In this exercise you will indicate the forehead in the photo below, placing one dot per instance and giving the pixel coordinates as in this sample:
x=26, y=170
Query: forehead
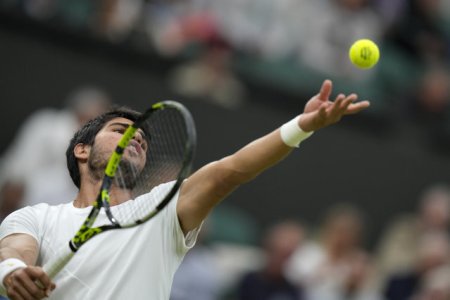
x=118, y=121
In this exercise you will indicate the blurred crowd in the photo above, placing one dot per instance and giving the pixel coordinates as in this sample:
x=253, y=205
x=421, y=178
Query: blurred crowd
x=287, y=45
x=33, y=168
x=328, y=261
x=290, y=45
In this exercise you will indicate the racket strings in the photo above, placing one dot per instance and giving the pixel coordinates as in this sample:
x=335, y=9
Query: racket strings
x=166, y=137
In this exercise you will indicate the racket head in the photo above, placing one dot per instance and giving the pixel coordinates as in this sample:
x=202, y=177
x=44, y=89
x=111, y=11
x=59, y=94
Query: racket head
x=169, y=134
x=169, y=137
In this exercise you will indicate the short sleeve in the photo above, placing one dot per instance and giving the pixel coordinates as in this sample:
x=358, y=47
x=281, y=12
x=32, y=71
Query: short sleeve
x=21, y=221
x=181, y=241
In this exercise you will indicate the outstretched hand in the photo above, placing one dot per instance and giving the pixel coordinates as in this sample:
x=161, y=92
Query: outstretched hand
x=320, y=112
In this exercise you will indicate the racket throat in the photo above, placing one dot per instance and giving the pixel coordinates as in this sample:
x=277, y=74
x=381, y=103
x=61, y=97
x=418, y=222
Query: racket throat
x=85, y=234
x=113, y=220
x=73, y=247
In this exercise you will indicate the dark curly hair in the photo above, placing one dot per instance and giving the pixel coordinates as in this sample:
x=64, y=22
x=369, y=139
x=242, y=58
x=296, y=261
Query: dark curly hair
x=86, y=135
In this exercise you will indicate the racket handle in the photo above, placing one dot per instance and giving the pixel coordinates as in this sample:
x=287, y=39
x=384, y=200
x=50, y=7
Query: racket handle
x=55, y=264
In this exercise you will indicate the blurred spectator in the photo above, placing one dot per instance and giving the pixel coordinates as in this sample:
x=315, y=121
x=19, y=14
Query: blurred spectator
x=390, y=10
x=429, y=107
x=222, y=254
x=419, y=33
x=338, y=267
x=199, y=276
x=445, y=13
x=271, y=30
x=422, y=281
x=210, y=76
x=436, y=285
x=433, y=96
x=332, y=27
x=270, y=283
x=178, y=25
x=33, y=168
x=40, y=9
x=399, y=245
x=11, y=197
x=116, y=19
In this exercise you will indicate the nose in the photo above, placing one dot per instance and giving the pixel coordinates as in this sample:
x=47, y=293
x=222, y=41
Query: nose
x=138, y=137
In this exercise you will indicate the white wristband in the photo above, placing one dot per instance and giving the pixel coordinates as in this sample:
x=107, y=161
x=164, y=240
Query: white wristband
x=291, y=133
x=6, y=267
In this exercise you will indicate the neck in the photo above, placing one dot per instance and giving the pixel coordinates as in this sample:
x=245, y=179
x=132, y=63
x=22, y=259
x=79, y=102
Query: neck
x=88, y=194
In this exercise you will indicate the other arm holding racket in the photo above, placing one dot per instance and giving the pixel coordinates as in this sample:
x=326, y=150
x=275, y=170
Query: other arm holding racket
x=197, y=195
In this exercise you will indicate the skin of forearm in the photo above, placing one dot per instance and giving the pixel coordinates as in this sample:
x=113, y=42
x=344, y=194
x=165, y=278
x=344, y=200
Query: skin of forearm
x=243, y=166
x=6, y=253
x=212, y=183
x=9, y=248
x=256, y=157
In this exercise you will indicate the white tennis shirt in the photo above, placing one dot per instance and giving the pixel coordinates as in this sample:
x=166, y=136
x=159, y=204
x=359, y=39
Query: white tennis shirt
x=135, y=263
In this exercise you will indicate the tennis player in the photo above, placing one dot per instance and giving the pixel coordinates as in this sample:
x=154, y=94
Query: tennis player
x=139, y=262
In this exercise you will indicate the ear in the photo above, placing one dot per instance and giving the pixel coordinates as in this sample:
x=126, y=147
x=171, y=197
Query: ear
x=82, y=151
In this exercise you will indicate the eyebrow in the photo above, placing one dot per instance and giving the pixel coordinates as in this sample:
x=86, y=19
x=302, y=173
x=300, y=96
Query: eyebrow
x=125, y=125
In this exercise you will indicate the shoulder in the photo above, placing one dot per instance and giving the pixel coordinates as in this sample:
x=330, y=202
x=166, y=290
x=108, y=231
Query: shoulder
x=32, y=220
x=36, y=211
x=38, y=208
x=159, y=192
x=28, y=210
x=164, y=186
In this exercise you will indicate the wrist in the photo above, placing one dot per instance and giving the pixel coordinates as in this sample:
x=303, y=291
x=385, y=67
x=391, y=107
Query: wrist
x=292, y=134
x=7, y=266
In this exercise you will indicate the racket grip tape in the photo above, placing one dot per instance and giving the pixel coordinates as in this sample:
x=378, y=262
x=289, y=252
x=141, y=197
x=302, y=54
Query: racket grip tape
x=55, y=264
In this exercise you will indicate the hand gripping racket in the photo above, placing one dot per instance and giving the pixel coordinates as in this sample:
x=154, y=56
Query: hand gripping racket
x=171, y=137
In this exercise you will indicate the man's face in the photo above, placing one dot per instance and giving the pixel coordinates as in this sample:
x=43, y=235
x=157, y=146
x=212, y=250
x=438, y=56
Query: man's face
x=134, y=156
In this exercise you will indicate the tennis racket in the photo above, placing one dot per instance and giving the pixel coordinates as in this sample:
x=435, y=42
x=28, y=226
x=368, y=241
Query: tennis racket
x=171, y=139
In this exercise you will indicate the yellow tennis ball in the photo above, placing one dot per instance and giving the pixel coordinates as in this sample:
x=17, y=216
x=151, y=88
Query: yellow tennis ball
x=364, y=53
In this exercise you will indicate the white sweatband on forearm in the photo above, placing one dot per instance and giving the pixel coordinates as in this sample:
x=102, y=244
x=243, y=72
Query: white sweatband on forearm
x=6, y=267
x=291, y=133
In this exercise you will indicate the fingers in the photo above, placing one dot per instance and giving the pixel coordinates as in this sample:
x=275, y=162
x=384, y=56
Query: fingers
x=338, y=105
x=322, y=112
x=325, y=90
x=337, y=108
x=20, y=293
x=349, y=100
x=345, y=105
x=42, y=279
x=357, y=107
x=23, y=284
x=30, y=289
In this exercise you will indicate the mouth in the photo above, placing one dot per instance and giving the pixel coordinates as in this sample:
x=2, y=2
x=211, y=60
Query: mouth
x=135, y=147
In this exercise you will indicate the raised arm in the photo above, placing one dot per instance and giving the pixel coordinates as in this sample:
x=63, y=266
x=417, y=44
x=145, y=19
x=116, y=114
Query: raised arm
x=213, y=182
x=18, y=254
